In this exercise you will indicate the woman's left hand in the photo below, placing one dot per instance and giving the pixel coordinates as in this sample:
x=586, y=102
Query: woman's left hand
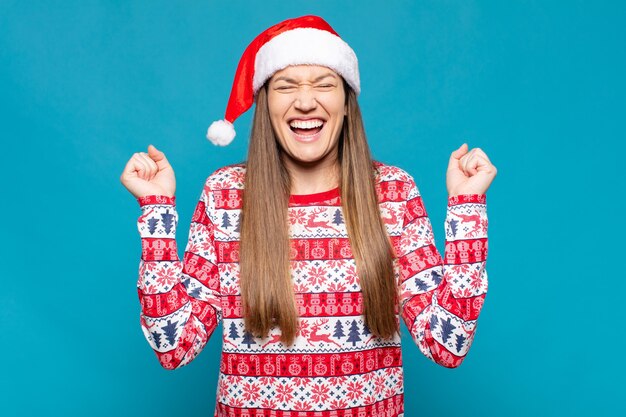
x=469, y=172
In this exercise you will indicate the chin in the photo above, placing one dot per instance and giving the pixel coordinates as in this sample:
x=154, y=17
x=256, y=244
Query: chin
x=306, y=158
x=309, y=156
x=307, y=153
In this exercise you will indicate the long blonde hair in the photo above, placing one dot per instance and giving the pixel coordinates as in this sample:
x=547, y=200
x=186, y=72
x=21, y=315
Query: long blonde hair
x=266, y=287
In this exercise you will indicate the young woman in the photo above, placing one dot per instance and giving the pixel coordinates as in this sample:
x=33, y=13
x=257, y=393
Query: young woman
x=309, y=252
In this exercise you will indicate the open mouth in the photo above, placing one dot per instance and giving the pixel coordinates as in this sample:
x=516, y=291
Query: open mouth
x=306, y=127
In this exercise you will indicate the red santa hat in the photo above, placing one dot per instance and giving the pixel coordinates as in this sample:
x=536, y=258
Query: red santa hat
x=303, y=40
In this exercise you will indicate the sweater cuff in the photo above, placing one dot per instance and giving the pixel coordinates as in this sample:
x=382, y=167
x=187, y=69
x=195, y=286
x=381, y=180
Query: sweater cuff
x=467, y=198
x=156, y=200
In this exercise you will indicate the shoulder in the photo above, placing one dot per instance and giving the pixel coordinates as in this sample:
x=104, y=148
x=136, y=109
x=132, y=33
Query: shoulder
x=226, y=178
x=393, y=184
x=386, y=173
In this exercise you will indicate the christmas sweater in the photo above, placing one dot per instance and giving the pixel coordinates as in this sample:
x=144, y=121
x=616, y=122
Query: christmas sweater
x=336, y=366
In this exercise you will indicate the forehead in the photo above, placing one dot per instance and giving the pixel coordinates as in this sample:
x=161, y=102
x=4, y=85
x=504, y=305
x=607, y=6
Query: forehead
x=304, y=72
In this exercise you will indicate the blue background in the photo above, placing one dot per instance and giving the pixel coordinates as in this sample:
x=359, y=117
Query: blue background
x=539, y=85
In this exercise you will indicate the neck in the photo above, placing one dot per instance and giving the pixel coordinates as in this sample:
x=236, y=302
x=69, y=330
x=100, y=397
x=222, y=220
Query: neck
x=315, y=177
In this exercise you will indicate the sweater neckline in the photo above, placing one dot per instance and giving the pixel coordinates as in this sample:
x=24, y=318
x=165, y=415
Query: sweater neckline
x=314, y=198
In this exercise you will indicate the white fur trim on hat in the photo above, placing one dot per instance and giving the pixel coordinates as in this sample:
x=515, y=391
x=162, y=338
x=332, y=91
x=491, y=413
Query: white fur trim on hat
x=221, y=132
x=306, y=46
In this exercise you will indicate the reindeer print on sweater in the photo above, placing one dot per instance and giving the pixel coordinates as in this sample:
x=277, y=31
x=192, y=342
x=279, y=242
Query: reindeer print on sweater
x=336, y=367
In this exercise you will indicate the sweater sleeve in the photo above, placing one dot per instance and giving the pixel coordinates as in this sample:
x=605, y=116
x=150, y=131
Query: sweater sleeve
x=442, y=298
x=180, y=300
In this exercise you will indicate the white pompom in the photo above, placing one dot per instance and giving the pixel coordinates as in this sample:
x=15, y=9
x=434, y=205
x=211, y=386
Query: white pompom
x=221, y=132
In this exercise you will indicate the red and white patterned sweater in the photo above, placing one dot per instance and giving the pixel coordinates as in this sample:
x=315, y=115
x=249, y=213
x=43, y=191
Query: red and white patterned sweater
x=336, y=367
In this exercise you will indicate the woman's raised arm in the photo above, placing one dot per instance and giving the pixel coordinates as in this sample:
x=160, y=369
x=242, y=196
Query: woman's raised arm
x=180, y=299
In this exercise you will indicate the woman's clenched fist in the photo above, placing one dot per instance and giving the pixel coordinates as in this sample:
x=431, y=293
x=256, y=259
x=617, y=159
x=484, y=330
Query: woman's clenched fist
x=469, y=172
x=149, y=174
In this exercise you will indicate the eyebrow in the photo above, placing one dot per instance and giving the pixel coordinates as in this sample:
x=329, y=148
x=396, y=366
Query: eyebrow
x=291, y=80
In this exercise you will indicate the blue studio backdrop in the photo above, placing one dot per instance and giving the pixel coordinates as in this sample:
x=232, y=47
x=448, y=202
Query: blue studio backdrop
x=538, y=85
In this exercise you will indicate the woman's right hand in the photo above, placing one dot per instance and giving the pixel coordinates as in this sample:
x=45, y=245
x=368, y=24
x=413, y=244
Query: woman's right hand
x=149, y=174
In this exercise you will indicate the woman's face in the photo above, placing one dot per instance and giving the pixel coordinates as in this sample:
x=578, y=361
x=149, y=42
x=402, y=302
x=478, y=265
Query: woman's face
x=307, y=107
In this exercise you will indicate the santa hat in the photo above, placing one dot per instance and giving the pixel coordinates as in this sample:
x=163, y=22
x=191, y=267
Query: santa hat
x=303, y=40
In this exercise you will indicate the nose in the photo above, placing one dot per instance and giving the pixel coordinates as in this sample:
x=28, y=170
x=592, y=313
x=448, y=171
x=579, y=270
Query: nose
x=305, y=100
